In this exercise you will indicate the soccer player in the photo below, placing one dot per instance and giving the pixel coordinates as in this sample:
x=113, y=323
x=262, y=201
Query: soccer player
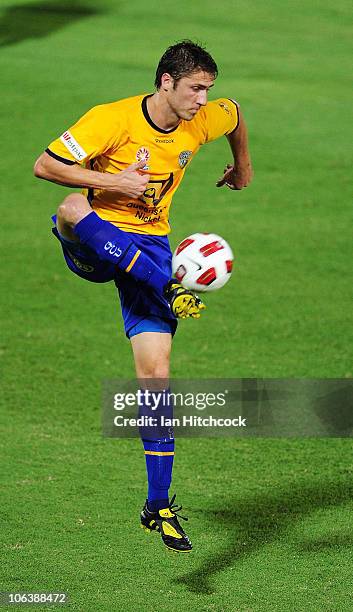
x=129, y=158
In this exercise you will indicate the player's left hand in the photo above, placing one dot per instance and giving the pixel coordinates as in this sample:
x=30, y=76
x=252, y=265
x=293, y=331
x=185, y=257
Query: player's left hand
x=236, y=178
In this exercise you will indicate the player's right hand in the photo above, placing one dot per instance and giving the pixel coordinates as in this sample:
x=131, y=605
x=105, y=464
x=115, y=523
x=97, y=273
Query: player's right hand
x=131, y=182
x=183, y=302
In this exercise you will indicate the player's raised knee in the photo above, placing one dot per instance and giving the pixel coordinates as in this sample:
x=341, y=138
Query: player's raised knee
x=74, y=208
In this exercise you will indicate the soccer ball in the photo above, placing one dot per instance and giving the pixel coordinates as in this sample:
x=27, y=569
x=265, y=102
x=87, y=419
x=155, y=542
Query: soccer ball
x=203, y=262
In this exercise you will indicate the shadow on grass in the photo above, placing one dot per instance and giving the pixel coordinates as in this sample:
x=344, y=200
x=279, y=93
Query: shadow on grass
x=337, y=540
x=23, y=21
x=255, y=522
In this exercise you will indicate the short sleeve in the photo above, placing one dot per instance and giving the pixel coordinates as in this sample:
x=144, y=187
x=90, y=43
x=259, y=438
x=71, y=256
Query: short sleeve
x=222, y=117
x=94, y=134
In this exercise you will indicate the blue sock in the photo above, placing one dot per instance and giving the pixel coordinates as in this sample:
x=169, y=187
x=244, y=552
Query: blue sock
x=112, y=244
x=159, y=464
x=158, y=442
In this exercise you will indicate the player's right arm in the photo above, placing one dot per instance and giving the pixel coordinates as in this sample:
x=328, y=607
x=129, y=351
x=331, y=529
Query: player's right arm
x=67, y=159
x=130, y=182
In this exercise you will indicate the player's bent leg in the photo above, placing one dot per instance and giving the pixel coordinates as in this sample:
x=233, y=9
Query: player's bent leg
x=118, y=247
x=152, y=354
x=77, y=222
x=71, y=211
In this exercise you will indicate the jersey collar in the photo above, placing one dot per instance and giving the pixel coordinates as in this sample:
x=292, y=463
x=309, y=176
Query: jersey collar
x=149, y=120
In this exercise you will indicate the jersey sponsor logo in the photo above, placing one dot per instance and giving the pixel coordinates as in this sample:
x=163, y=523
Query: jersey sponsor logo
x=143, y=154
x=146, y=213
x=164, y=140
x=72, y=146
x=184, y=157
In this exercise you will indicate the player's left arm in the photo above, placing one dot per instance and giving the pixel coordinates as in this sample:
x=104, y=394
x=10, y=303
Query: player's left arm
x=238, y=174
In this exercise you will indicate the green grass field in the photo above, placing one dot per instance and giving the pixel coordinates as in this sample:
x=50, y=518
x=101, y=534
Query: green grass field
x=270, y=519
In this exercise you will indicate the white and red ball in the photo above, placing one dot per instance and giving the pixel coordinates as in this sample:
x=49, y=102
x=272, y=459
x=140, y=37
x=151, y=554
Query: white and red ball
x=203, y=262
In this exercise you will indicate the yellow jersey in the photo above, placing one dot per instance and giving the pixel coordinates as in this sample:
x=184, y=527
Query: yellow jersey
x=110, y=137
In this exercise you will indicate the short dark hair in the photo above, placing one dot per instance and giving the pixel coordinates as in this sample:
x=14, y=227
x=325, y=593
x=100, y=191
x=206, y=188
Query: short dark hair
x=183, y=59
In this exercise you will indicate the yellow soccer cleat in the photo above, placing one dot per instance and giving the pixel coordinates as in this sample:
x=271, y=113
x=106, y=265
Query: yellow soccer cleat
x=183, y=302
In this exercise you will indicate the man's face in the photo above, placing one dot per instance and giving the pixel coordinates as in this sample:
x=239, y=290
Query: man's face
x=186, y=96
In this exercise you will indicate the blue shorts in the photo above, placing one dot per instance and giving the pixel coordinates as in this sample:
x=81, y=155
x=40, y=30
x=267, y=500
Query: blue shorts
x=142, y=309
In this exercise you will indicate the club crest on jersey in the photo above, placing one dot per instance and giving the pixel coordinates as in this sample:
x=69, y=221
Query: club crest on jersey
x=184, y=158
x=143, y=154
